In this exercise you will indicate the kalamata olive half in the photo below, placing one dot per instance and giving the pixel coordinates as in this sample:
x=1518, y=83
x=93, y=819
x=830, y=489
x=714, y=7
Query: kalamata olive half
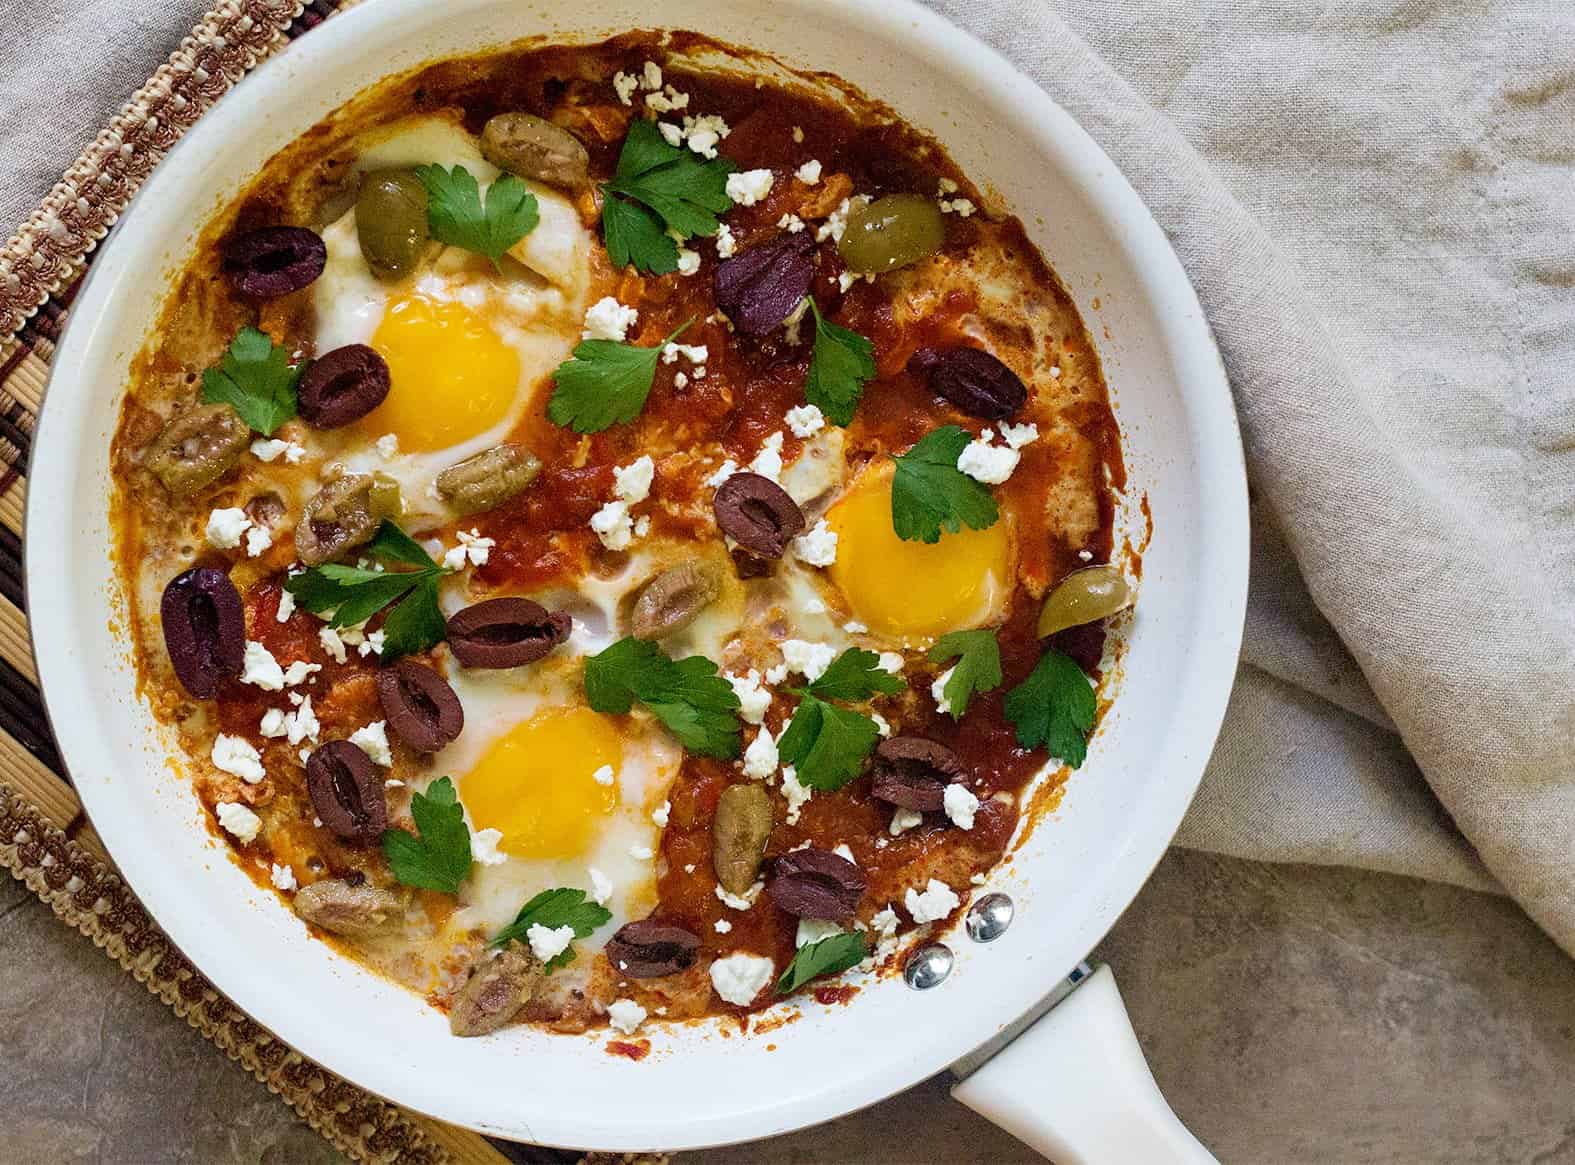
x=488, y=479
x=204, y=629
x=757, y=513
x=816, y=883
x=419, y=705
x=649, y=949
x=347, y=791
x=391, y=222
x=759, y=289
x=274, y=261
x=531, y=147
x=972, y=380
x=892, y=232
x=345, y=514
x=674, y=598
x=496, y=990
x=198, y=447
x=342, y=385
x=505, y=632
x=739, y=834
x=912, y=772
x=1084, y=645
x=1095, y=592
x=353, y=911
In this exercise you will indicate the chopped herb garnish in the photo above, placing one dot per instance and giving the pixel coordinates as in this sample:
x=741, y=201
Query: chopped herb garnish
x=842, y=362
x=355, y=594
x=978, y=668
x=552, y=909
x=457, y=216
x=929, y=493
x=827, y=745
x=674, y=192
x=856, y=674
x=1054, y=708
x=687, y=695
x=256, y=378
x=826, y=957
x=439, y=858
x=605, y=383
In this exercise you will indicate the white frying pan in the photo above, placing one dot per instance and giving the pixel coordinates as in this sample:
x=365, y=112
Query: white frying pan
x=1075, y=1084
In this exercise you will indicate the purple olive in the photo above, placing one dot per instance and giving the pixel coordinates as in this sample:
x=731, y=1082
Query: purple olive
x=816, y=883
x=649, y=949
x=912, y=772
x=274, y=261
x=204, y=629
x=973, y=380
x=506, y=632
x=419, y=705
x=757, y=513
x=760, y=288
x=347, y=791
x=342, y=385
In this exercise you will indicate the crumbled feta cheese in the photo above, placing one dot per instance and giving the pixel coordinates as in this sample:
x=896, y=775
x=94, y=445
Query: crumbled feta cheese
x=332, y=643
x=753, y=700
x=694, y=353
x=798, y=135
x=854, y=627
x=651, y=75
x=472, y=548
x=985, y=462
x=302, y=724
x=286, y=607
x=260, y=668
x=282, y=877
x=797, y=795
x=739, y=978
x=808, y=659
x=688, y=261
x=669, y=100
x=740, y=901
x=1055, y=372
x=960, y=805
x=372, y=739
x=846, y=279
x=269, y=450
x=373, y=643
x=271, y=725
x=814, y=606
x=613, y=525
x=843, y=851
x=661, y=814
x=760, y=758
x=946, y=186
x=235, y=755
x=818, y=545
x=804, y=421
x=388, y=445
x=547, y=943
x=603, y=775
x=723, y=472
x=933, y=904
x=749, y=186
x=721, y=926
x=226, y=527
x=813, y=930
x=703, y=142
x=240, y=821
x=768, y=462
x=882, y=725
x=903, y=820
x=961, y=207
x=1085, y=555
x=625, y=1015
x=809, y=172
x=775, y=675
x=673, y=135
x=938, y=690
x=726, y=244
x=680, y=380
x=791, y=223
x=632, y=482
x=890, y=661
x=625, y=85
x=837, y=221
x=601, y=886
x=607, y=319
x=484, y=847
x=1016, y=436
x=884, y=922
x=258, y=539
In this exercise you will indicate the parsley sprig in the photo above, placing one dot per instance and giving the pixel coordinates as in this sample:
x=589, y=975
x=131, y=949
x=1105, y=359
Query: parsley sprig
x=604, y=383
x=354, y=594
x=826, y=957
x=255, y=377
x=929, y=493
x=457, y=216
x=552, y=909
x=439, y=857
x=978, y=668
x=827, y=745
x=687, y=695
x=840, y=365
x=1054, y=708
x=664, y=191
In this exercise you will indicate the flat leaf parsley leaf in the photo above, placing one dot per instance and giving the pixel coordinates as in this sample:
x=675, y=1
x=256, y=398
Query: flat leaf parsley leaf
x=827, y=957
x=827, y=745
x=355, y=594
x=457, y=216
x=673, y=190
x=254, y=377
x=978, y=668
x=688, y=696
x=605, y=383
x=1054, y=708
x=438, y=859
x=842, y=362
x=552, y=909
x=929, y=493
x=856, y=674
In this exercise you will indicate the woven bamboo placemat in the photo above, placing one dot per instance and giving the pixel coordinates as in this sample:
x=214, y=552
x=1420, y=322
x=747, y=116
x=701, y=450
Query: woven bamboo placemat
x=46, y=841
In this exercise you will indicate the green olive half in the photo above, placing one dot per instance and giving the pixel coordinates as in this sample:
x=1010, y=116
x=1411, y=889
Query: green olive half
x=391, y=220
x=1083, y=596
x=892, y=232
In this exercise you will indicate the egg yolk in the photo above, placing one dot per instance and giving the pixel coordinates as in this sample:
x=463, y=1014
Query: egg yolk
x=914, y=590
x=536, y=784
x=451, y=377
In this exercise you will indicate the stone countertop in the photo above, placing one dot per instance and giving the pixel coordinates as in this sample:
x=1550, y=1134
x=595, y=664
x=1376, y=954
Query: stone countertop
x=1290, y=1013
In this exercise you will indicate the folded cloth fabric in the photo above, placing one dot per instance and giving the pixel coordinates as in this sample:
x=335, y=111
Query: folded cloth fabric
x=1374, y=203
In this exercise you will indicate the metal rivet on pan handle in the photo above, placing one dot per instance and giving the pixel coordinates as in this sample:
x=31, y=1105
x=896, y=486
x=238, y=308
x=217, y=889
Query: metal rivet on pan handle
x=928, y=966
x=989, y=917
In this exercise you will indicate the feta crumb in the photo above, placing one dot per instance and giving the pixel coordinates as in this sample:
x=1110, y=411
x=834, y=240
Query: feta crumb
x=961, y=207
x=726, y=244
x=235, y=755
x=753, y=700
x=388, y=445
x=813, y=930
x=601, y=886
x=723, y=472
x=903, y=820
x=688, y=261
x=672, y=134
x=809, y=172
x=626, y=1016
x=240, y=821
x=814, y=606
x=721, y=926
x=882, y=725
x=818, y=545
x=884, y=922
x=680, y=380
x=846, y=280
x=977, y=880
x=804, y=421
x=938, y=690
x=775, y=675
x=258, y=539
x=797, y=795
x=837, y=221
x=985, y=462
x=890, y=661
x=1055, y=372
x=603, y=775
x=484, y=847
x=1016, y=436
x=625, y=85
x=632, y=482
x=760, y=758
x=661, y=814
x=613, y=525
x=933, y=904
x=260, y=668
x=669, y=100
x=854, y=627
x=768, y=462
x=749, y=186
x=271, y=725
x=607, y=319
x=842, y=850
x=1085, y=555
x=225, y=527
x=791, y=223
x=740, y=901
x=332, y=643
x=372, y=739
x=808, y=659
x=703, y=142
x=694, y=353
x=960, y=805
x=651, y=75
x=302, y=724
x=798, y=135
x=269, y=450
x=373, y=643
x=739, y=978
x=945, y=187
x=286, y=607
x=472, y=548
x=547, y=943
x=282, y=877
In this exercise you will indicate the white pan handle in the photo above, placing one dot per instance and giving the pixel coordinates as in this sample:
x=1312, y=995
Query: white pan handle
x=1075, y=1087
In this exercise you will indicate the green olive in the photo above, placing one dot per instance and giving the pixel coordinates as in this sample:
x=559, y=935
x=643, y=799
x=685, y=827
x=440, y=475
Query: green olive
x=345, y=514
x=391, y=220
x=675, y=597
x=1084, y=596
x=198, y=447
x=892, y=232
x=739, y=835
x=497, y=989
x=488, y=479
x=524, y=144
